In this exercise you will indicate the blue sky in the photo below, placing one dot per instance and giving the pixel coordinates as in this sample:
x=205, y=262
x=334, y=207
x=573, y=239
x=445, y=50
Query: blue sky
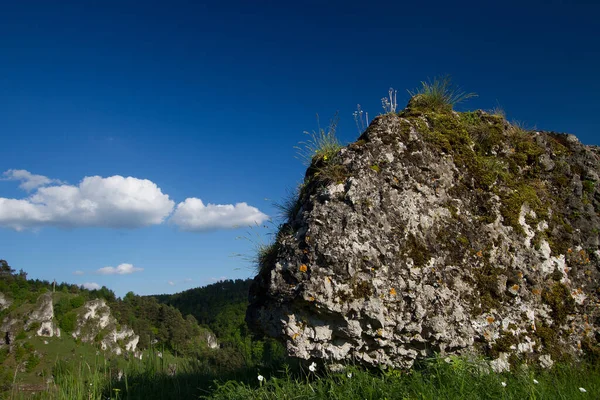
x=120, y=122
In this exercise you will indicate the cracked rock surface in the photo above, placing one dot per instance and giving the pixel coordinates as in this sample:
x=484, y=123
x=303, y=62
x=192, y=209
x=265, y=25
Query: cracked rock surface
x=441, y=233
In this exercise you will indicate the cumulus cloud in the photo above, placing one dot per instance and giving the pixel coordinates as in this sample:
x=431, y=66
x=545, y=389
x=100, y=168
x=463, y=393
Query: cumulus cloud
x=28, y=180
x=91, y=286
x=113, y=202
x=193, y=215
x=171, y=283
x=78, y=272
x=121, y=269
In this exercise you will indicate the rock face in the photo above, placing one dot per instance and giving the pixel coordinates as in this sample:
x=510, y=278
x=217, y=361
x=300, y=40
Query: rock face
x=43, y=315
x=4, y=302
x=210, y=339
x=439, y=232
x=38, y=319
x=95, y=324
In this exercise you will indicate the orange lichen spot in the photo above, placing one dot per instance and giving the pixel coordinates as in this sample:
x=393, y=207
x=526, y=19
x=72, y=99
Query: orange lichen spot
x=311, y=298
x=587, y=260
x=307, y=239
x=537, y=292
x=520, y=275
x=379, y=332
x=295, y=336
x=303, y=268
x=393, y=292
x=490, y=319
x=480, y=253
x=327, y=279
x=569, y=250
x=305, y=251
x=515, y=287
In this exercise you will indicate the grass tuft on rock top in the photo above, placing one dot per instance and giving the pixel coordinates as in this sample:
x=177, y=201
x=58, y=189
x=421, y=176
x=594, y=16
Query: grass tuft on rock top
x=438, y=94
x=322, y=144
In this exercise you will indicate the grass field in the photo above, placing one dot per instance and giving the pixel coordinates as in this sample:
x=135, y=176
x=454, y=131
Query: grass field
x=168, y=377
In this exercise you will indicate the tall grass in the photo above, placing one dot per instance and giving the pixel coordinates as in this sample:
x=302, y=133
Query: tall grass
x=439, y=94
x=437, y=378
x=451, y=378
x=322, y=144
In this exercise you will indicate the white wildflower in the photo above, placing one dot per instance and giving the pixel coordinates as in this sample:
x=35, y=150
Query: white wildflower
x=312, y=367
x=261, y=378
x=503, y=384
x=582, y=390
x=349, y=375
x=535, y=381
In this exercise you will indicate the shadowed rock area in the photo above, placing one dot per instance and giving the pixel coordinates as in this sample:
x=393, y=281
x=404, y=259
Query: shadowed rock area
x=439, y=232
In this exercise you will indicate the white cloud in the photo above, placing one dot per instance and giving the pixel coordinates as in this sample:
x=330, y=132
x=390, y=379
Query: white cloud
x=171, y=283
x=28, y=180
x=187, y=280
x=78, y=272
x=91, y=286
x=193, y=215
x=113, y=202
x=122, y=269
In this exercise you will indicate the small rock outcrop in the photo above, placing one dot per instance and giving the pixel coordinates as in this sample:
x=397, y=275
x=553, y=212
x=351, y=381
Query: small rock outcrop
x=96, y=324
x=210, y=339
x=4, y=302
x=439, y=232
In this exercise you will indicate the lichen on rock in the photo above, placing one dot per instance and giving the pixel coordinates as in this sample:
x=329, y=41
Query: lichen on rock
x=439, y=232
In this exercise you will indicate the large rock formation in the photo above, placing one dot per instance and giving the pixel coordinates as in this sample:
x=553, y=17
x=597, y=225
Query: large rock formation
x=42, y=316
x=96, y=324
x=439, y=232
x=37, y=318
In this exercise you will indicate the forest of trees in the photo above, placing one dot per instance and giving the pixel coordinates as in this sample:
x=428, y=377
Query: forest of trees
x=221, y=307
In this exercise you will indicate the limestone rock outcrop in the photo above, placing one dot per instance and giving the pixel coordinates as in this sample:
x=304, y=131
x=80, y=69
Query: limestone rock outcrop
x=43, y=316
x=4, y=302
x=439, y=232
x=96, y=324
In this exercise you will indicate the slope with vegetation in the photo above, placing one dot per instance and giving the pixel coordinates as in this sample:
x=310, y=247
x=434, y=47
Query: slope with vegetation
x=41, y=323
